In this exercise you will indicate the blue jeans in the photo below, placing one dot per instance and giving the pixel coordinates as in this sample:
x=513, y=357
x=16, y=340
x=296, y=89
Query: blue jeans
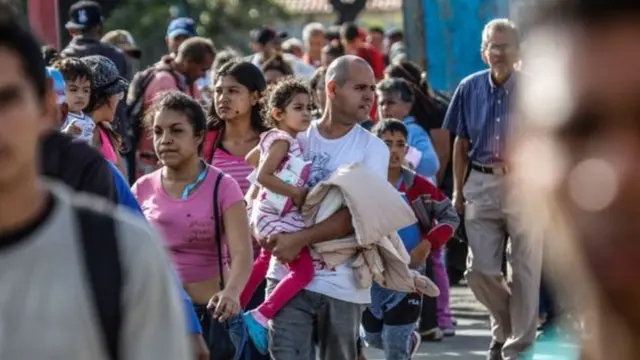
x=388, y=322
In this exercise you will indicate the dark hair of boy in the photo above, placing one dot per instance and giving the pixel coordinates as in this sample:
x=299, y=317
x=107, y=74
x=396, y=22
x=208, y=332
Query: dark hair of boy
x=16, y=38
x=73, y=69
x=390, y=126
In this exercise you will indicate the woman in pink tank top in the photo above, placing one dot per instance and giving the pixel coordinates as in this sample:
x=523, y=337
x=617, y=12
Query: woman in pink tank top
x=107, y=90
x=235, y=120
x=198, y=210
x=234, y=128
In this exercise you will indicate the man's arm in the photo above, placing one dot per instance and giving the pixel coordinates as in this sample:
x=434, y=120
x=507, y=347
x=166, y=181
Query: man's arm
x=153, y=319
x=460, y=165
x=340, y=224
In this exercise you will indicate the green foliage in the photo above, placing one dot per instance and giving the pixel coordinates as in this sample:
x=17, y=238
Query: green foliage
x=226, y=22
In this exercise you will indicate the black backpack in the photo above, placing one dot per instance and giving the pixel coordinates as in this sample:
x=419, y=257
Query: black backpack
x=135, y=97
x=104, y=271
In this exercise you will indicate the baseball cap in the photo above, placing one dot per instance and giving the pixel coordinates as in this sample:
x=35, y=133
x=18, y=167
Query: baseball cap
x=84, y=14
x=182, y=26
x=265, y=34
x=106, y=78
x=122, y=39
x=58, y=84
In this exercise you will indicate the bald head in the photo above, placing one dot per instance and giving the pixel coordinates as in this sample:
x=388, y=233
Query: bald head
x=338, y=71
x=350, y=87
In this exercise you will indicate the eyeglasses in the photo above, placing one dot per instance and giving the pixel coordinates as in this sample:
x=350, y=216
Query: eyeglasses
x=497, y=48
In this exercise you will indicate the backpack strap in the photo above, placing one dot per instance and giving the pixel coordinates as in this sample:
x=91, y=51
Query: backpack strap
x=218, y=227
x=102, y=261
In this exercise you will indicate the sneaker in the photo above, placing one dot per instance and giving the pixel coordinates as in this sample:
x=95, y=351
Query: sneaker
x=259, y=334
x=448, y=332
x=434, y=334
x=415, y=343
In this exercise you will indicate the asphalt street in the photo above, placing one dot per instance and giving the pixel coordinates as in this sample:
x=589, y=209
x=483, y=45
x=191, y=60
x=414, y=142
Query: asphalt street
x=472, y=333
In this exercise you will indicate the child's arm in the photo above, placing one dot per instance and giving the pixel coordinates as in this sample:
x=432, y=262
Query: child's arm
x=253, y=157
x=266, y=171
x=446, y=217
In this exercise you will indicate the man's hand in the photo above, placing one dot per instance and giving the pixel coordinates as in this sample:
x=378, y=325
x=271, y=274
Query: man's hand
x=199, y=347
x=420, y=253
x=285, y=247
x=458, y=202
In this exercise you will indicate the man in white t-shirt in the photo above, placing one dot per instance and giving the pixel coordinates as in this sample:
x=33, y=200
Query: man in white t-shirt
x=331, y=306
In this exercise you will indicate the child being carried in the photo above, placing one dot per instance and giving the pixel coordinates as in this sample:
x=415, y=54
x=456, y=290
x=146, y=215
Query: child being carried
x=282, y=174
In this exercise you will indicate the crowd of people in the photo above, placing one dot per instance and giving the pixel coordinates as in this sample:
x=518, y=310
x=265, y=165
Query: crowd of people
x=297, y=203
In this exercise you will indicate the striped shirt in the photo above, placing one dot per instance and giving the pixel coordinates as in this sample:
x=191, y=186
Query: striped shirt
x=266, y=217
x=234, y=166
x=480, y=112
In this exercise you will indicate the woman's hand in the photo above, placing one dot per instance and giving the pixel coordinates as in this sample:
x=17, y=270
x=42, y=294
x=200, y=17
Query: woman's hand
x=224, y=305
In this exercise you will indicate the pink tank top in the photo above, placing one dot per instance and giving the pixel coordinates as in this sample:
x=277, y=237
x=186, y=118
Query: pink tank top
x=106, y=147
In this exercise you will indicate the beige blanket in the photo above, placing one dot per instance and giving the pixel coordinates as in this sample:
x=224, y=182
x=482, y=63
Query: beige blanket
x=377, y=213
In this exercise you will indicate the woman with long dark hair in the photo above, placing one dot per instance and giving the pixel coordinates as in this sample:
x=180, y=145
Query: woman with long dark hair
x=234, y=126
x=235, y=121
x=428, y=110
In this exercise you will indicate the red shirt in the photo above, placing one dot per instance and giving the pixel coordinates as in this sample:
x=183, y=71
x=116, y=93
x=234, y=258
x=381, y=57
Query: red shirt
x=442, y=232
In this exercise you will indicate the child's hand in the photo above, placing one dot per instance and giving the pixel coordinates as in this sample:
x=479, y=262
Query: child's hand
x=420, y=253
x=300, y=197
x=72, y=129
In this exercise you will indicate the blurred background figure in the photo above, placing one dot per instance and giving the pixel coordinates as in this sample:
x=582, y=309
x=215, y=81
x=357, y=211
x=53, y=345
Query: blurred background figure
x=580, y=133
x=123, y=40
x=49, y=54
x=313, y=36
x=294, y=47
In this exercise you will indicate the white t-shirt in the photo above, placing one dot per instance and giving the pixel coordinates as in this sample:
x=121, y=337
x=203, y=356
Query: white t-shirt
x=358, y=145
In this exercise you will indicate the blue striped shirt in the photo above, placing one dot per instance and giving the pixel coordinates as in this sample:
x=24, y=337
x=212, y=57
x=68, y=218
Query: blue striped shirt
x=480, y=112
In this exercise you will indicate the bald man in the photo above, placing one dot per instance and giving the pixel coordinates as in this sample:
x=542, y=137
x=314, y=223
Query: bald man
x=331, y=306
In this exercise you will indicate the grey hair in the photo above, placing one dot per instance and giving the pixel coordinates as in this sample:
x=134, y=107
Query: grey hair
x=398, y=86
x=500, y=25
x=338, y=71
x=312, y=29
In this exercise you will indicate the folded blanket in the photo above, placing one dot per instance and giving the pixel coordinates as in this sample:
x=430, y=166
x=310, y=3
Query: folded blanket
x=377, y=211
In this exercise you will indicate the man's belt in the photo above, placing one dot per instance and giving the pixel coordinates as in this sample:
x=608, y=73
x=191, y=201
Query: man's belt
x=492, y=170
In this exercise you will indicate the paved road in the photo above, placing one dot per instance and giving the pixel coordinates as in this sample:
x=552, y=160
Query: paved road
x=472, y=334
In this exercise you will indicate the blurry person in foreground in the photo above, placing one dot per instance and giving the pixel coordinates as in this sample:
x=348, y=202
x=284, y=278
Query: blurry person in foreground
x=48, y=282
x=575, y=163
